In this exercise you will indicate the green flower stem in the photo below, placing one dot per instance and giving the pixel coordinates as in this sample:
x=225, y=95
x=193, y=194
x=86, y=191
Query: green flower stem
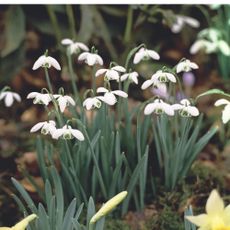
x=48, y=80
x=129, y=22
x=94, y=81
x=72, y=75
x=91, y=226
x=70, y=15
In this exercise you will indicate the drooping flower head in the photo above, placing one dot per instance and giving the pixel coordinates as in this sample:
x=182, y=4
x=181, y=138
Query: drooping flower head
x=47, y=127
x=40, y=98
x=186, y=109
x=145, y=54
x=64, y=101
x=111, y=74
x=159, y=107
x=74, y=47
x=186, y=66
x=133, y=76
x=217, y=216
x=67, y=133
x=226, y=111
x=9, y=97
x=91, y=103
x=46, y=62
x=90, y=58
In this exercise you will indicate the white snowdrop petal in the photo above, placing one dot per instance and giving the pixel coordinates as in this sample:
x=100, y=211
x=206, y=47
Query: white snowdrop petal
x=138, y=57
x=91, y=59
x=66, y=41
x=192, y=22
x=83, y=46
x=180, y=67
x=178, y=25
x=8, y=99
x=120, y=93
x=185, y=102
x=102, y=90
x=70, y=100
x=198, y=45
x=221, y=102
x=36, y=127
x=124, y=77
x=112, y=75
x=171, y=77
x=17, y=97
x=40, y=61
x=194, y=65
x=146, y=84
x=32, y=95
x=100, y=72
x=99, y=59
x=109, y=98
x=153, y=54
x=193, y=111
x=134, y=78
x=177, y=106
x=226, y=114
x=224, y=47
x=149, y=108
x=57, y=133
x=53, y=62
x=83, y=56
x=167, y=109
x=119, y=68
x=78, y=134
x=62, y=102
x=2, y=95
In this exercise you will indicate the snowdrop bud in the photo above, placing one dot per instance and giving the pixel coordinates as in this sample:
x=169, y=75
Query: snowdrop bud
x=109, y=206
x=188, y=79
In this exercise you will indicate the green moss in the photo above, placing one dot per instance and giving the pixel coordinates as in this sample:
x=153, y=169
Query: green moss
x=115, y=224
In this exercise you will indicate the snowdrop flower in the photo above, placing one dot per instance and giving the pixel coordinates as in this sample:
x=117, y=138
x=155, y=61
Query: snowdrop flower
x=181, y=21
x=226, y=111
x=150, y=82
x=217, y=217
x=210, y=47
x=109, y=96
x=186, y=66
x=64, y=101
x=145, y=54
x=91, y=103
x=66, y=132
x=185, y=109
x=22, y=225
x=90, y=58
x=47, y=127
x=131, y=76
x=159, y=107
x=46, y=62
x=74, y=47
x=9, y=97
x=111, y=74
x=40, y=98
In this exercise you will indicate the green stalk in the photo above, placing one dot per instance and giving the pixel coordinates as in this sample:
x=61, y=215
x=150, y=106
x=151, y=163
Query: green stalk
x=70, y=15
x=129, y=22
x=48, y=80
x=55, y=23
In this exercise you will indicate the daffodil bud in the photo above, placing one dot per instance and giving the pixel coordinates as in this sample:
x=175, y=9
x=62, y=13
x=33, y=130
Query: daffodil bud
x=109, y=206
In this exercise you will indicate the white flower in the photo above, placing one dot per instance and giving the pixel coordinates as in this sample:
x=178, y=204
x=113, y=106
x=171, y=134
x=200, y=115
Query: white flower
x=181, y=21
x=66, y=132
x=131, y=76
x=226, y=111
x=90, y=58
x=186, y=66
x=185, y=109
x=91, y=103
x=9, y=97
x=47, y=62
x=210, y=47
x=74, y=47
x=64, y=101
x=158, y=107
x=47, y=127
x=40, y=98
x=111, y=74
x=109, y=96
x=145, y=54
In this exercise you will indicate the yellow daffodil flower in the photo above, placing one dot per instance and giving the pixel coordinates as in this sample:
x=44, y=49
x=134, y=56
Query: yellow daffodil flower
x=217, y=217
x=22, y=224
